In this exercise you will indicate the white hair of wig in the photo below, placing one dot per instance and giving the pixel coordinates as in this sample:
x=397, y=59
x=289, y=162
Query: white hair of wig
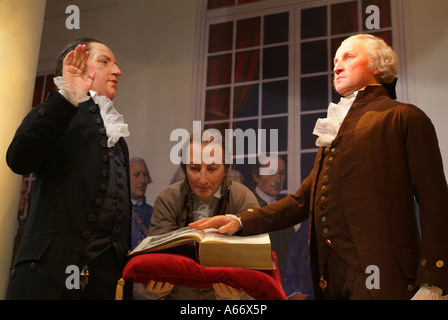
x=382, y=57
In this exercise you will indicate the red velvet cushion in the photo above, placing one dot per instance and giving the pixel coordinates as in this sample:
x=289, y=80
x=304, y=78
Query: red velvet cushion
x=184, y=271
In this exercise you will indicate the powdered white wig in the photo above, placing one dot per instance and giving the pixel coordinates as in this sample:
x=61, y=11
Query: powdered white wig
x=382, y=57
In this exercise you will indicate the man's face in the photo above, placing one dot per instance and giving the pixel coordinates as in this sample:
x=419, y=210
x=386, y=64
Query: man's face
x=102, y=61
x=272, y=184
x=352, y=70
x=139, y=179
x=205, y=179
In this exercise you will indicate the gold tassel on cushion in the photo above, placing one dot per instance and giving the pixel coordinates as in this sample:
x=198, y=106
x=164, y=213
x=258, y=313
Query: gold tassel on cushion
x=119, y=290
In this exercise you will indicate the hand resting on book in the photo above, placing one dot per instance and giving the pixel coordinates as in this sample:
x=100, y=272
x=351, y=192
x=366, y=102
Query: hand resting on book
x=224, y=223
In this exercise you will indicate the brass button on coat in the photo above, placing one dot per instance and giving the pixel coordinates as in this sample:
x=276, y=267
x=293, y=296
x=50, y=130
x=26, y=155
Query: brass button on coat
x=322, y=283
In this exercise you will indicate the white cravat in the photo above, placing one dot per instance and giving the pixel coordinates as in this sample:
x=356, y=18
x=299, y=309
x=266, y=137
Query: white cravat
x=205, y=208
x=113, y=121
x=326, y=129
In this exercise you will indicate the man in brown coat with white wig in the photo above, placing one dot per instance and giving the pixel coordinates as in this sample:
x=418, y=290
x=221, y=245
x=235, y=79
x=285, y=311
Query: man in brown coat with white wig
x=376, y=157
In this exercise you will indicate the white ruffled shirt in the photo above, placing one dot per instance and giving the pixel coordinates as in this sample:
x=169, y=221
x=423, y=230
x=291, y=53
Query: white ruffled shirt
x=327, y=129
x=204, y=208
x=113, y=121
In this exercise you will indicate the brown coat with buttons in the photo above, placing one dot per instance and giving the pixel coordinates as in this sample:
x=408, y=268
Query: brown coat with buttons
x=385, y=154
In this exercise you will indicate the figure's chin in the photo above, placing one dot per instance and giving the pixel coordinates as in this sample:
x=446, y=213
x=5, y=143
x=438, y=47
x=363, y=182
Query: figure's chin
x=343, y=91
x=111, y=96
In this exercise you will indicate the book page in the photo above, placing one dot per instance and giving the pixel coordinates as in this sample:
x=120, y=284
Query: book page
x=215, y=236
x=164, y=240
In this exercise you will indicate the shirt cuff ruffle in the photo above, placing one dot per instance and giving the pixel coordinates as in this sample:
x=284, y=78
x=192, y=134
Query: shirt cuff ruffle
x=428, y=292
x=70, y=92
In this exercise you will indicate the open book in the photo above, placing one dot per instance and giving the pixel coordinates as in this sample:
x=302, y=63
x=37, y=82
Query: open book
x=213, y=249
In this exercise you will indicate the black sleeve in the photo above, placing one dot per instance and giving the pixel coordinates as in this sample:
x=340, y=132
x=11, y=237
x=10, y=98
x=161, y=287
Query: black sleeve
x=35, y=139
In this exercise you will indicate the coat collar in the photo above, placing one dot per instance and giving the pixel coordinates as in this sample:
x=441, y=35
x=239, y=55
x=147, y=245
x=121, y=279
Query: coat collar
x=371, y=93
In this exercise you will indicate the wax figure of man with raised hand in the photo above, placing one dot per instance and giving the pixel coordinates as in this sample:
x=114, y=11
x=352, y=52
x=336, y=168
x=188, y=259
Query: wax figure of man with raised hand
x=80, y=210
x=376, y=155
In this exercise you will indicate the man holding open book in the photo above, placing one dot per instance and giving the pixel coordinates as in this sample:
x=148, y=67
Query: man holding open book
x=205, y=192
